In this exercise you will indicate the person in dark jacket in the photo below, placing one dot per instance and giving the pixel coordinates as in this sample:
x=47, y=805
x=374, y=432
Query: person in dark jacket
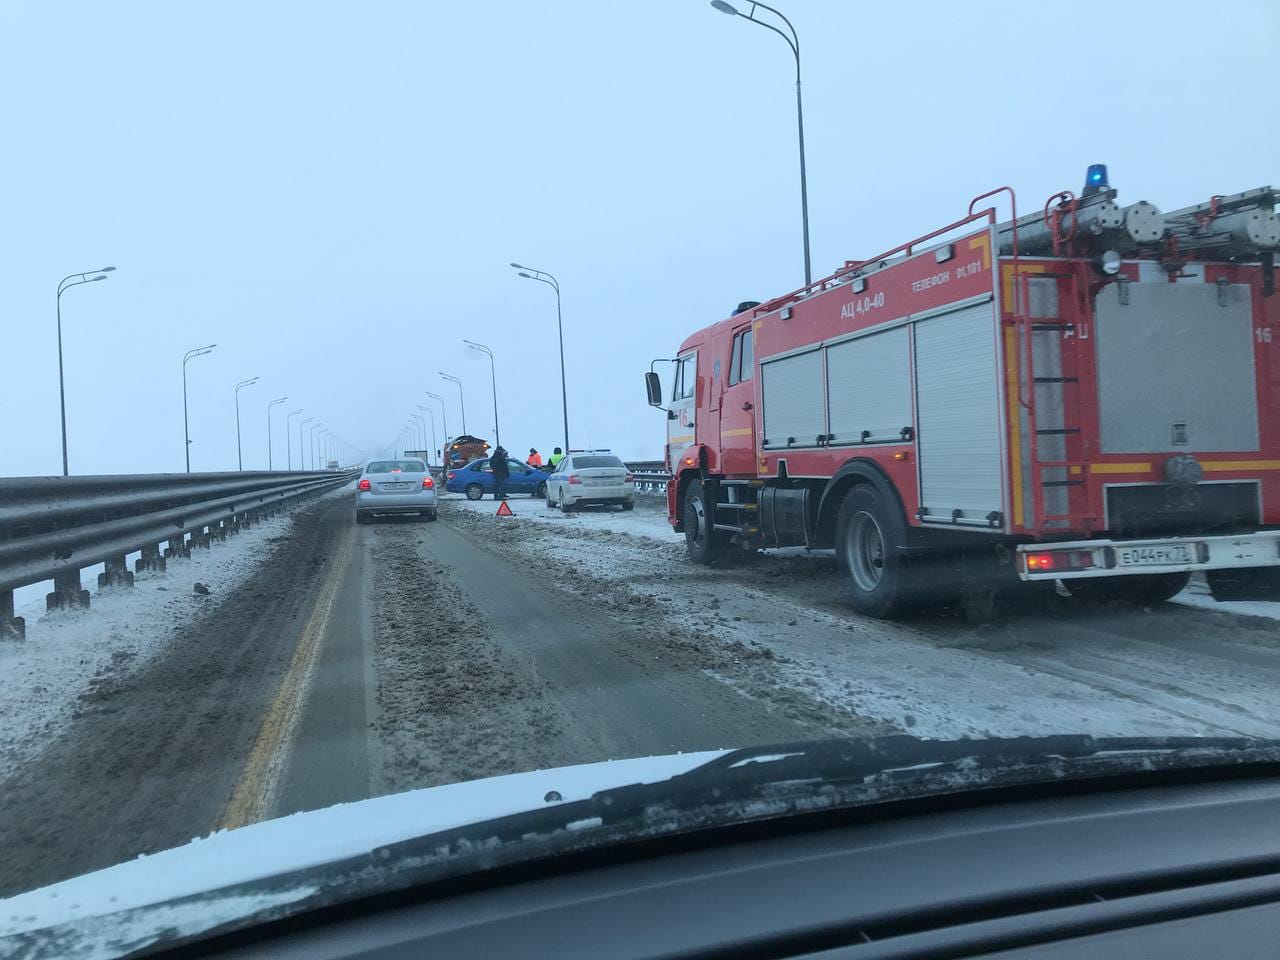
x=498, y=464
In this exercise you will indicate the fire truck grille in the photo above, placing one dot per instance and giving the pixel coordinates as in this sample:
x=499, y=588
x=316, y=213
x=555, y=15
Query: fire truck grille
x=1156, y=509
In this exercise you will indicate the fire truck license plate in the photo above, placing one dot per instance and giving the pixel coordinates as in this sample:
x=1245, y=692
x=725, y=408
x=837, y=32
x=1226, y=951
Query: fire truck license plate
x=1153, y=556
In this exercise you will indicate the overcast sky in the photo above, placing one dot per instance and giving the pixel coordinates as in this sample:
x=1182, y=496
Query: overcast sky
x=332, y=192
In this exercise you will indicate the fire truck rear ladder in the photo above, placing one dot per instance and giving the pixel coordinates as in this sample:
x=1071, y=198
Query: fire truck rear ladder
x=1072, y=350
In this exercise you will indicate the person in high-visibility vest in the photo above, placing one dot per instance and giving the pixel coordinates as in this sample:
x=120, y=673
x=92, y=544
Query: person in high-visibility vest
x=556, y=456
x=535, y=458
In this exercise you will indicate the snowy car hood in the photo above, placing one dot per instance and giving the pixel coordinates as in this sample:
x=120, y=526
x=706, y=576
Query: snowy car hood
x=229, y=858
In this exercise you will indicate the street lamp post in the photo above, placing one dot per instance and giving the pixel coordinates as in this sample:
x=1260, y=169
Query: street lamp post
x=422, y=429
x=65, y=284
x=239, y=454
x=543, y=277
x=288, y=434
x=302, y=457
x=444, y=418
x=462, y=403
x=434, y=443
x=186, y=427
x=793, y=42
x=270, y=463
x=311, y=441
x=493, y=382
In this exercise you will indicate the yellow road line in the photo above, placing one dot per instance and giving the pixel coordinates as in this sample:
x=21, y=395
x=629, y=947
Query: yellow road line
x=255, y=793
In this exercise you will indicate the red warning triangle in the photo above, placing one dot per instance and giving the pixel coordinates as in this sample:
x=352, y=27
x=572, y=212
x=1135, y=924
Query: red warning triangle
x=504, y=510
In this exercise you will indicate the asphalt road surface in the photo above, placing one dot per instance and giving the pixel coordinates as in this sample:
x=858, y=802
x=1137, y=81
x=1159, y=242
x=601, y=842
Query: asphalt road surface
x=362, y=660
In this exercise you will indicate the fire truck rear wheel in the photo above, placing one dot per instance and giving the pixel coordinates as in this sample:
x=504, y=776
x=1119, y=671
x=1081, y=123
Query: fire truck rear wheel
x=868, y=534
x=703, y=542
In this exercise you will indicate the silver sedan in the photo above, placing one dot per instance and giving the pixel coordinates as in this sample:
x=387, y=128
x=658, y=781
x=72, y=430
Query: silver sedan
x=390, y=487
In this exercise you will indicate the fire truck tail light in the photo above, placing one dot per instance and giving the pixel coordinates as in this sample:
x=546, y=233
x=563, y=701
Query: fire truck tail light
x=902, y=455
x=365, y=485
x=574, y=478
x=1062, y=560
x=688, y=461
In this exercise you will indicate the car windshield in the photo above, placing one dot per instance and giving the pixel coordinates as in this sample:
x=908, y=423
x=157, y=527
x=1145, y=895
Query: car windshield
x=396, y=466
x=948, y=412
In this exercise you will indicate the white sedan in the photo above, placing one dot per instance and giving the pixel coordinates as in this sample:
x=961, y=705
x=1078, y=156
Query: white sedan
x=590, y=478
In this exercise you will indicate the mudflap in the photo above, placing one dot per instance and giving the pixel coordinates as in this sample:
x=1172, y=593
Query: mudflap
x=969, y=579
x=1250, y=583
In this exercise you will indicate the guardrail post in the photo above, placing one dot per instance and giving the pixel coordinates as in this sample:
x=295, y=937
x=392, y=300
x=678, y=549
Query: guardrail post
x=202, y=538
x=11, y=627
x=67, y=591
x=219, y=531
x=178, y=547
x=150, y=559
x=117, y=573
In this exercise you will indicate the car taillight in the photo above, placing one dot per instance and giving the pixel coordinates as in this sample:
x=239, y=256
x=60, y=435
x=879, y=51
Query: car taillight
x=427, y=483
x=365, y=485
x=574, y=478
x=451, y=474
x=630, y=479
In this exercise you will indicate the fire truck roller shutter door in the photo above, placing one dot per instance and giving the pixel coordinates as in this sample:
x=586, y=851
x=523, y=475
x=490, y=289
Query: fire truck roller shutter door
x=791, y=393
x=869, y=387
x=958, y=408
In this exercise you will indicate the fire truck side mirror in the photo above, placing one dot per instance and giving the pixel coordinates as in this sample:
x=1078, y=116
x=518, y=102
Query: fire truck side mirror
x=653, y=386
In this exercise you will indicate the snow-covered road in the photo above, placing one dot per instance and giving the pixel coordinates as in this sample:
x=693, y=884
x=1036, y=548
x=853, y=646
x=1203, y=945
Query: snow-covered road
x=1191, y=667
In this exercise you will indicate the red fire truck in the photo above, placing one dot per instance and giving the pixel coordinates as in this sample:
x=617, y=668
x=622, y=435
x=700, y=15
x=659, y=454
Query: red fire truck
x=1089, y=394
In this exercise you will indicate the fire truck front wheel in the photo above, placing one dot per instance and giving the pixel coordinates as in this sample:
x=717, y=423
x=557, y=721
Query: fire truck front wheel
x=868, y=535
x=702, y=540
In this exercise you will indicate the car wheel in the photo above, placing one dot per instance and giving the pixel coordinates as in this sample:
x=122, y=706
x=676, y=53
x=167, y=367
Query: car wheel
x=541, y=491
x=431, y=515
x=628, y=504
x=361, y=518
x=550, y=503
x=564, y=504
x=474, y=491
x=869, y=532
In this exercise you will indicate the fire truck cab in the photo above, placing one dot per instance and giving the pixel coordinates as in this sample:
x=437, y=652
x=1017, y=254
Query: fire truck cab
x=1087, y=395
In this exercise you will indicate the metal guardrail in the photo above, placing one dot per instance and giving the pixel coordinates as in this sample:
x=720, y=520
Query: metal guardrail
x=651, y=476
x=51, y=528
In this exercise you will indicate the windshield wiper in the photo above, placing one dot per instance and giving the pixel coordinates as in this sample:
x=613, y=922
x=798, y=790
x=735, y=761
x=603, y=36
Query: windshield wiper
x=766, y=782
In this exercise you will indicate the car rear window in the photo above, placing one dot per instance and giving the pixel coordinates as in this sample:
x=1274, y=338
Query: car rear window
x=396, y=466
x=582, y=463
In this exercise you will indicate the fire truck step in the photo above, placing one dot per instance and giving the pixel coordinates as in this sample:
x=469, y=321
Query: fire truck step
x=1056, y=379
x=1057, y=432
x=1062, y=483
x=1041, y=326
